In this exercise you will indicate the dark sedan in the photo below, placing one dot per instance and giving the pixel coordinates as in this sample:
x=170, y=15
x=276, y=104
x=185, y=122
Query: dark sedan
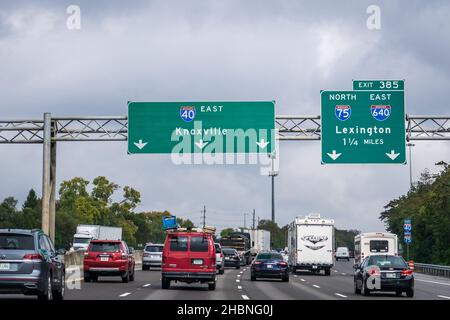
x=30, y=265
x=231, y=258
x=269, y=265
x=384, y=273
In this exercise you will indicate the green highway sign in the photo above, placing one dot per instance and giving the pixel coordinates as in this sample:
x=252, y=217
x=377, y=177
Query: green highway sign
x=363, y=127
x=214, y=127
x=371, y=85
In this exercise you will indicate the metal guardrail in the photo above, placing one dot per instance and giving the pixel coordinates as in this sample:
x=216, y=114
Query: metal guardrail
x=432, y=269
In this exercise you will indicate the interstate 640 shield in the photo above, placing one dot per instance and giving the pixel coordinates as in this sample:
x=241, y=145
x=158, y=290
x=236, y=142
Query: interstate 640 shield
x=363, y=127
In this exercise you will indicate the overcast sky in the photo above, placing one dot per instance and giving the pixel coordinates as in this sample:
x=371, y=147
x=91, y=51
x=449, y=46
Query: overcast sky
x=220, y=50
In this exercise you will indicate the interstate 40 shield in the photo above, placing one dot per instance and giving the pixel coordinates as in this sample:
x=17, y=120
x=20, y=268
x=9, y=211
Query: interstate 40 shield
x=363, y=127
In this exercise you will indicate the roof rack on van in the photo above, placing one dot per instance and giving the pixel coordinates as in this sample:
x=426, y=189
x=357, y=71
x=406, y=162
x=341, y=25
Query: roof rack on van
x=205, y=229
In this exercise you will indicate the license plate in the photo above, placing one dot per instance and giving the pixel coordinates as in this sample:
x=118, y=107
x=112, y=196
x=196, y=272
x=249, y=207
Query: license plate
x=197, y=261
x=104, y=258
x=227, y=258
x=391, y=275
x=269, y=266
x=4, y=266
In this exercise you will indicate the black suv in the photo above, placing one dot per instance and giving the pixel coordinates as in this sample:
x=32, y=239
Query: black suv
x=30, y=265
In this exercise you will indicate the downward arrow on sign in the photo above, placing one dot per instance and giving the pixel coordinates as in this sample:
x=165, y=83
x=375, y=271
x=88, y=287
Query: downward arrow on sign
x=333, y=155
x=140, y=144
x=262, y=144
x=392, y=155
x=201, y=144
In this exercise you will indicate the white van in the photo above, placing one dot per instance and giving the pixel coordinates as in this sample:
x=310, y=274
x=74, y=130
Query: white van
x=371, y=243
x=342, y=253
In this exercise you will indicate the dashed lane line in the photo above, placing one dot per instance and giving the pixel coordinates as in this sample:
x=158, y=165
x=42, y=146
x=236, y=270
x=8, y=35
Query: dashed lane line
x=239, y=287
x=125, y=294
x=340, y=295
x=302, y=280
x=444, y=297
x=435, y=282
x=147, y=285
x=245, y=297
x=238, y=275
x=316, y=286
x=237, y=280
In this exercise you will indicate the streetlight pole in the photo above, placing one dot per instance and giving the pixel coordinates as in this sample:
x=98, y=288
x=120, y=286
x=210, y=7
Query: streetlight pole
x=273, y=174
x=410, y=165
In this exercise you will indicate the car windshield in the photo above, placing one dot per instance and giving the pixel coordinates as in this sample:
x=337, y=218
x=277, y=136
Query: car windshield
x=178, y=243
x=154, y=248
x=105, y=247
x=10, y=241
x=228, y=252
x=269, y=256
x=81, y=240
x=342, y=250
x=199, y=244
x=387, y=262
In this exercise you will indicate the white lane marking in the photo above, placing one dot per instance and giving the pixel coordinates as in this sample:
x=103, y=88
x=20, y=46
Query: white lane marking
x=336, y=271
x=238, y=275
x=245, y=297
x=237, y=280
x=316, y=286
x=442, y=283
x=241, y=272
x=340, y=295
x=303, y=280
x=344, y=274
x=147, y=285
x=444, y=297
x=125, y=294
x=240, y=287
x=296, y=276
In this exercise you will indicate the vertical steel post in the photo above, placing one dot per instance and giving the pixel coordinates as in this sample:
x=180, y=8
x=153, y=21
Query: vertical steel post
x=46, y=188
x=52, y=200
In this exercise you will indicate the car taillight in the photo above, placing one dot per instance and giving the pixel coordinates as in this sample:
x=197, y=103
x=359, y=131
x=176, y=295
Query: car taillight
x=257, y=262
x=373, y=272
x=282, y=264
x=32, y=256
x=124, y=256
x=407, y=272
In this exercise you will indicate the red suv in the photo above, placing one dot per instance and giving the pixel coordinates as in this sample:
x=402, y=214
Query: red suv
x=189, y=257
x=108, y=258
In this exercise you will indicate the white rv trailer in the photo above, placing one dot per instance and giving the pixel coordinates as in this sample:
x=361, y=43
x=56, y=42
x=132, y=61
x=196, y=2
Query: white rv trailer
x=372, y=243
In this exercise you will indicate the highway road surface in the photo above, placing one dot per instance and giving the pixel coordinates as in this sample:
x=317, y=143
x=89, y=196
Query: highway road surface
x=236, y=285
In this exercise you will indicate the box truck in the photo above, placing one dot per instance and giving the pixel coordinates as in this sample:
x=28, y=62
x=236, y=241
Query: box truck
x=241, y=242
x=259, y=241
x=85, y=233
x=311, y=244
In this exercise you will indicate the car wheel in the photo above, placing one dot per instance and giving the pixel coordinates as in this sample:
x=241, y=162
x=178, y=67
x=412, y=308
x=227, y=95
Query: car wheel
x=47, y=294
x=212, y=286
x=410, y=293
x=364, y=290
x=357, y=291
x=238, y=267
x=94, y=278
x=285, y=278
x=252, y=277
x=221, y=271
x=87, y=277
x=132, y=276
x=59, y=294
x=145, y=268
x=165, y=284
x=327, y=272
x=126, y=277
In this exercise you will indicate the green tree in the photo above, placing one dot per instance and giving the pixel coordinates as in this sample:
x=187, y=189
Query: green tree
x=226, y=232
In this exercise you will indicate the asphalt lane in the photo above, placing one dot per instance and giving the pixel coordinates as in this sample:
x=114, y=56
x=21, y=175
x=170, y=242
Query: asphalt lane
x=236, y=285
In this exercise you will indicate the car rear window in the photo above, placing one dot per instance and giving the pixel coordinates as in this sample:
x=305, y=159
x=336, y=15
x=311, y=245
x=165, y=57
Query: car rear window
x=199, y=244
x=16, y=242
x=154, y=248
x=379, y=246
x=387, y=262
x=229, y=252
x=105, y=247
x=269, y=256
x=178, y=243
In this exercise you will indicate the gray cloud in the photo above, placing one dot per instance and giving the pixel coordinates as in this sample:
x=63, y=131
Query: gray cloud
x=198, y=50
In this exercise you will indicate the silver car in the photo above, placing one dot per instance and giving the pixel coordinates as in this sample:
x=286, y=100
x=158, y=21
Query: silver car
x=152, y=256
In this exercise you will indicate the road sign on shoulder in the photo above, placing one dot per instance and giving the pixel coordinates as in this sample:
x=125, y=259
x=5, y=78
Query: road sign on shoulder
x=201, y=127
x=373, y=85
x=363, y=127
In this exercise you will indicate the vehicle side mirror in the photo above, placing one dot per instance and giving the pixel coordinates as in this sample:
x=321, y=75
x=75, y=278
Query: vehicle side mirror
x=131, y=250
